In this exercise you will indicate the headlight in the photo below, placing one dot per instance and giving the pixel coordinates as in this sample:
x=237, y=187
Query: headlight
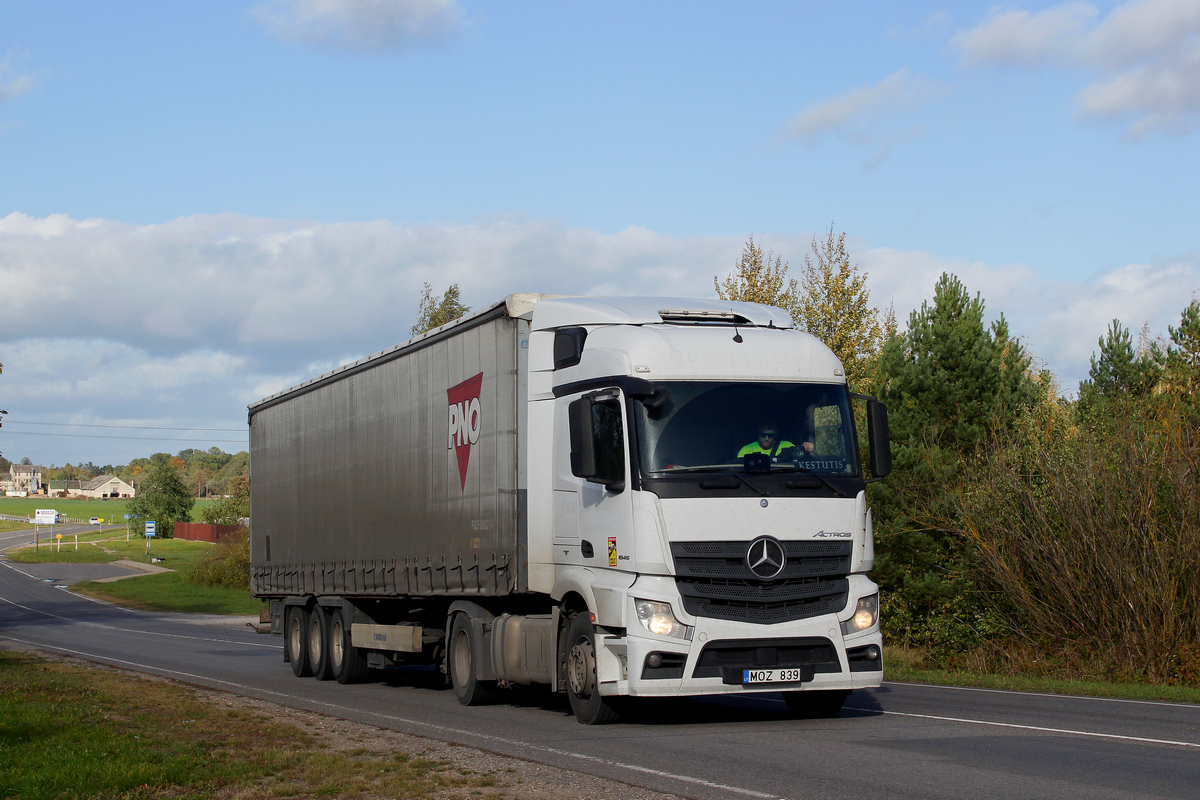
x=658, y=619
x=866, y=614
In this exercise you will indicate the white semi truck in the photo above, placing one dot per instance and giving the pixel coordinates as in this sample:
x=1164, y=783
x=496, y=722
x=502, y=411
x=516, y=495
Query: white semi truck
x=583, y=493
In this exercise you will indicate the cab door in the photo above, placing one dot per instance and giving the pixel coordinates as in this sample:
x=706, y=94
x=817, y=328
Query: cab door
x=592, y=481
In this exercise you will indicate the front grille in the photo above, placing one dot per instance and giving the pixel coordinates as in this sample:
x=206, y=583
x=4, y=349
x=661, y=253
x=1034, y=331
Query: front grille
x=730, y=657
x=715, y=581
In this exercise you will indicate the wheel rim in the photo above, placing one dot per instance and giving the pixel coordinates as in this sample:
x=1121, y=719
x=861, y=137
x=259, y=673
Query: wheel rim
x=460, y=663
x=295, y=638
x=335, y=648
x=314, y=639
x=581, y=669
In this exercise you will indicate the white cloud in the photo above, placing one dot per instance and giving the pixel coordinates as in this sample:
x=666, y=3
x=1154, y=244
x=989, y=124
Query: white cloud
x=185, y=323
x=13, y=84
x=857, y=116
x=359, y=25
x=1144, y=56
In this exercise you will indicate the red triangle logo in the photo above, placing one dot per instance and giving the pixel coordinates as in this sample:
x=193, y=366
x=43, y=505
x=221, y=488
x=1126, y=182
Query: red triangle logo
x=464, y=421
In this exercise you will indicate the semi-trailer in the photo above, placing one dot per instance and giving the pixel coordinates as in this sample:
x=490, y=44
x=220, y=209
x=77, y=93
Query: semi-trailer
x=613, y=497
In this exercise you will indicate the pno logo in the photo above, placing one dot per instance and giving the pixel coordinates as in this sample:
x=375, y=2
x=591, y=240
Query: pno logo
x=465, y=418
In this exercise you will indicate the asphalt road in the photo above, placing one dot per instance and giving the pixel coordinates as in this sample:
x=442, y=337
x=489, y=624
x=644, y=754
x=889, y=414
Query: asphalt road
x=901, y=741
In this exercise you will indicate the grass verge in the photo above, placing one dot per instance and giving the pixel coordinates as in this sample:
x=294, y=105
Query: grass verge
x=168, y=591
x=73, y=732
x=163, y=591
x=903, y=665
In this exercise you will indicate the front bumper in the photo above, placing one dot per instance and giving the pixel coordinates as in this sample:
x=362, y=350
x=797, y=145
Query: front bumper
x=813, y=651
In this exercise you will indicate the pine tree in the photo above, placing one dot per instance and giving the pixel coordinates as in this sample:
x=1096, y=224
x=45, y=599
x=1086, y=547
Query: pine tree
x=1118, y=370
x=947, y=379
x=433, y=313
x=1181, y=366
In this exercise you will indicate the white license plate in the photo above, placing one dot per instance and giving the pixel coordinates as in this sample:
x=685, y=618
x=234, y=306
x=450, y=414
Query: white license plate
x=772, y=676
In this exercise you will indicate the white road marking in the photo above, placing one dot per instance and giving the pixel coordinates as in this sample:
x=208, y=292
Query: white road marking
x=1038, y=728
x=135, y=630
x=1191, y=706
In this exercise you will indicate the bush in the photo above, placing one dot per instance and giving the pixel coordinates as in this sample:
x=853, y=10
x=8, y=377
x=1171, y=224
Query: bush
x=1089, y=537
x=228, y=566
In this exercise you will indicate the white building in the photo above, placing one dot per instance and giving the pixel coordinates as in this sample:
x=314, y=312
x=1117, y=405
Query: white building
x=106, y=486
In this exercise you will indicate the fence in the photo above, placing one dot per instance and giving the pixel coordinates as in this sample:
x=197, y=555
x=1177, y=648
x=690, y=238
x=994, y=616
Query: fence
x=200, y=532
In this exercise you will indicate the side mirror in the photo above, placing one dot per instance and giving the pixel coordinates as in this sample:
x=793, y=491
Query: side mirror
x=597, y=441
x=583, y=440
x=878, y=436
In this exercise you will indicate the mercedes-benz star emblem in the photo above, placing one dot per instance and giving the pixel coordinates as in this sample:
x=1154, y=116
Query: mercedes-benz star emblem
x=765, y=557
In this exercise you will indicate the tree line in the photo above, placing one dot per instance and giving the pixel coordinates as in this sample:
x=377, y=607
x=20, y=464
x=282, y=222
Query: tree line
x=1020, y=530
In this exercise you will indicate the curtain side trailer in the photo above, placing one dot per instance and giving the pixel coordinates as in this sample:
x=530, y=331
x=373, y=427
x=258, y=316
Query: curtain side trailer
x=614, y=497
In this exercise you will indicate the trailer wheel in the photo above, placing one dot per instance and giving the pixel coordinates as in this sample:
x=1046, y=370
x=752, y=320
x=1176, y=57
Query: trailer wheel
x=349, y=663
x=583, y=690
x=318, y=644
x=295, y=629
x=816, y=704
x=469, y=690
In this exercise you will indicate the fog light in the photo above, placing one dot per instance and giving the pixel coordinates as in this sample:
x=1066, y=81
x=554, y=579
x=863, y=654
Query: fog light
x=654, y=661
x=866, y=614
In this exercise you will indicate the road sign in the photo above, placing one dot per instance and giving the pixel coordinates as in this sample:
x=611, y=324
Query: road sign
x=45, y=516
x=150, y=526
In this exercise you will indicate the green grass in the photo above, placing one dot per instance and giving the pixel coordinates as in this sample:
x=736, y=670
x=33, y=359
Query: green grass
x=108, y=510
x=71, y=732
x=163, y=591
x=904, y=666
x=9, y=525
x=168, y=591
x=48, y=554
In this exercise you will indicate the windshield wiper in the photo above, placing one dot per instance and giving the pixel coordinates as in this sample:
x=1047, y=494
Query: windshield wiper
x=817, y=475
x=701, y=468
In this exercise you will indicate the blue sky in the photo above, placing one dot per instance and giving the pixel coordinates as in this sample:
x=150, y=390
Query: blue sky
x=201, y=203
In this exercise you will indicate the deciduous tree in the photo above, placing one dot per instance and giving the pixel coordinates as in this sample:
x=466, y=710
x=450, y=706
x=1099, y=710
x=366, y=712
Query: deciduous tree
x=835, y=306
x=163, y=498
x=435, y=313
x=759, y=278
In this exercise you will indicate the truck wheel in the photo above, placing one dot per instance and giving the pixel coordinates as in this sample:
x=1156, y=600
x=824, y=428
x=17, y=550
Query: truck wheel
x=816, y=704
x=318, y=644
x=295, y=629
x=349, y=663
x=582, y=687
x=469, y=690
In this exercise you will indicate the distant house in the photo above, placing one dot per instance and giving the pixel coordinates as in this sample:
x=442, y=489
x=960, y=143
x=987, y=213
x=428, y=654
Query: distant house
x=106, y=486
x=63, y=488
x=24, y=478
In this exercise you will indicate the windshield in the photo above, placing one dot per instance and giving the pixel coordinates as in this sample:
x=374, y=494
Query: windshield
x=761, y=427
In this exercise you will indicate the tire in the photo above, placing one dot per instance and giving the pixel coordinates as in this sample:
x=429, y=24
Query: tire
x=317, y=644
x=816, y=704
x=460, y=658
x=295, y=630
x=349, y=663
x=579, y=655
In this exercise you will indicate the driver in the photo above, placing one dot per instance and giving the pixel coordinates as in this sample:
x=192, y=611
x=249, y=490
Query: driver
x=769, y=443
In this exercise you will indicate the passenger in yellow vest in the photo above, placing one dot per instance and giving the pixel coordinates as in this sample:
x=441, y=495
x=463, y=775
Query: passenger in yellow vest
x=769, y=443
